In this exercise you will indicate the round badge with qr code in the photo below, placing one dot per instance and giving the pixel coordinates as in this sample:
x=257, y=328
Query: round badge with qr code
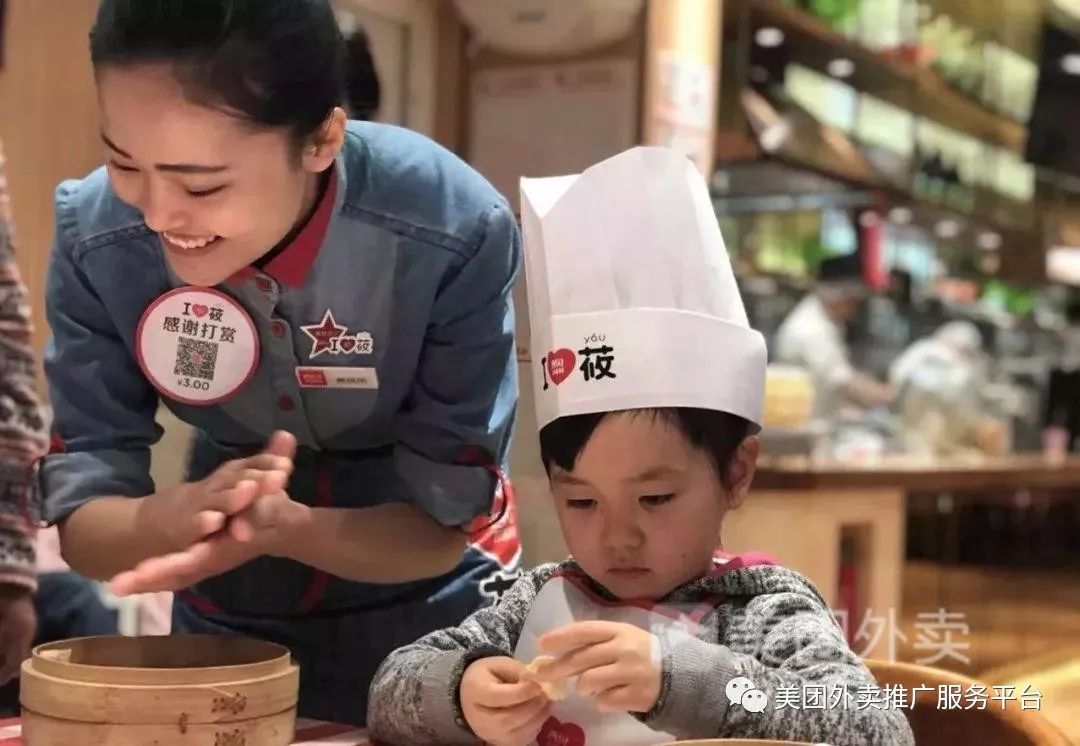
x=197, y=345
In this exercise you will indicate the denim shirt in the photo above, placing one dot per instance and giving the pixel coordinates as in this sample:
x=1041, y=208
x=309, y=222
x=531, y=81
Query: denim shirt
x=420, y=252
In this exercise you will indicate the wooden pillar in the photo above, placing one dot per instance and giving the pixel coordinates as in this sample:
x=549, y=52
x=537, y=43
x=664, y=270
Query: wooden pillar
x=682, y=72
x=451, y=90
x=48, y=124
x=803, y=530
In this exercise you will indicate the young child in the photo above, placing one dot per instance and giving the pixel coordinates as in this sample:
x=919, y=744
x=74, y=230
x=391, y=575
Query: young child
x=648, y=399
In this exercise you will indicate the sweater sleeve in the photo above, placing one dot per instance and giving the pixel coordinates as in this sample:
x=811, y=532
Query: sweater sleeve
x=414, y=695
x=22, y=427
x=788, y=645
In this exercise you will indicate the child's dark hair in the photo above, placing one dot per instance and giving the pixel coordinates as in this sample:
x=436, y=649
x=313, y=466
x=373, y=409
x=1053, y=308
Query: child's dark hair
x=717, y=433
x=276, y=63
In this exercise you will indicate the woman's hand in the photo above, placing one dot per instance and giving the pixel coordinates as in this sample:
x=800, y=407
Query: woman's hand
x=195, y=510
x=256, y=516
x=268, y=520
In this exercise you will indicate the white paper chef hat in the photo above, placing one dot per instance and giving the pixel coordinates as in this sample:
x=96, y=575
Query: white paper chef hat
x=632, y=299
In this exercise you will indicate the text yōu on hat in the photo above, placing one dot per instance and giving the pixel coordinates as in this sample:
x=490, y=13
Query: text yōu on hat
x=632, y=299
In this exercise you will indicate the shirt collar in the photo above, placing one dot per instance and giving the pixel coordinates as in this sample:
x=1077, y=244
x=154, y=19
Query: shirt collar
x=293, y=263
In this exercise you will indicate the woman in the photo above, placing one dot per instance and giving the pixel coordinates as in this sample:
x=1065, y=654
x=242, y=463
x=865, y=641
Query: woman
x=22, y=438
x=326, y=302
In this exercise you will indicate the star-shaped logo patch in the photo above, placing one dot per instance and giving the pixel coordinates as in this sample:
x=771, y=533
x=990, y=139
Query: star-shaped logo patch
x=323, y=334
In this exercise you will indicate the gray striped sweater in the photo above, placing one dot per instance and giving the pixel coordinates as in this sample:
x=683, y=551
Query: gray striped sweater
x=769, y=625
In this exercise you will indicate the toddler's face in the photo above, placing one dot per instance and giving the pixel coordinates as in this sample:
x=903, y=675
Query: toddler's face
x=642, y=508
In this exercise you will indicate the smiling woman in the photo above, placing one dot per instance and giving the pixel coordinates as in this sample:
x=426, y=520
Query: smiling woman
x=326, y=302
x=224, y=150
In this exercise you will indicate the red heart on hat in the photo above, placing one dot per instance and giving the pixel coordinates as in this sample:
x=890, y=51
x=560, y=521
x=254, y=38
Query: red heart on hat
x=560, y=365
x=555, y=733
x=347, y=344
x=200, y=310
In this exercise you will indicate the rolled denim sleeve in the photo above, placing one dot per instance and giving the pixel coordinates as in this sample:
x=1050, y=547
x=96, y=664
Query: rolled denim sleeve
x=464, y=397
x=103, y=407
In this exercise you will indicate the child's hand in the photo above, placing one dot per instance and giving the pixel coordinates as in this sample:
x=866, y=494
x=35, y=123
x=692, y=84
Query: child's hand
x=614, y=664
x=499, y=705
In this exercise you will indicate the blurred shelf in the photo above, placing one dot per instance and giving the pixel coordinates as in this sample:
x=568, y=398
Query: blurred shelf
x=937, y=100
x=914, y=473
x=786, y=151
x=923, y=92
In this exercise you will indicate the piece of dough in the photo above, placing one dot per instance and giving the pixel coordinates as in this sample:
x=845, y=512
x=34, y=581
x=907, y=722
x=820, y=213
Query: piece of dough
x=554, y=690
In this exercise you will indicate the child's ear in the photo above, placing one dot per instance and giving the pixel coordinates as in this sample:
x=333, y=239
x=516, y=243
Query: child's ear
x=741, y=470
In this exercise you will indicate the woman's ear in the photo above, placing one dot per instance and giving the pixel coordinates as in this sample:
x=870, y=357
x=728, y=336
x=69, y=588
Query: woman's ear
x=741, y=470
x=324, y=145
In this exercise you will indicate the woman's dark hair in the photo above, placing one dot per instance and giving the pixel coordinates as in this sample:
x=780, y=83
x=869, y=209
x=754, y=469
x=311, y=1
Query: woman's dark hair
x=717, y=433
x=276, y=63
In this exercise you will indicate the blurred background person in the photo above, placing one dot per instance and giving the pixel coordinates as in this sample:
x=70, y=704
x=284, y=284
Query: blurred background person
x=941, y=387
x=22, y=440
x=363, y=92
x=813, y=337
x=34, y=607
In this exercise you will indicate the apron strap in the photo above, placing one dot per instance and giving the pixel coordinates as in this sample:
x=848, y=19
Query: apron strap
x=704, y=608
x=319, y=580
x=200, y=603
x=580, y=580
x=730, y=563
x=725, y=563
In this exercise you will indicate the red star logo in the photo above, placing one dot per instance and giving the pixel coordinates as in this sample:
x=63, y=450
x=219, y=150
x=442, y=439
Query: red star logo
x=323, y=334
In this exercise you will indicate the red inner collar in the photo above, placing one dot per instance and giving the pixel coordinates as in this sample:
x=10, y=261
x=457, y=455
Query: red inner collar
x=293, y=263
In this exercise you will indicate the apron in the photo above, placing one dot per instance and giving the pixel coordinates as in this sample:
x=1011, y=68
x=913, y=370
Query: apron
x=339, y=651
x=340, y=631
x=566, y=598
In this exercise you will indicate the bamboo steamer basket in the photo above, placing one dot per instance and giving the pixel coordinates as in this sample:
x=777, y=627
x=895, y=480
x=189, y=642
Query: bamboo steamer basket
x=180, y=690
x=741, y=742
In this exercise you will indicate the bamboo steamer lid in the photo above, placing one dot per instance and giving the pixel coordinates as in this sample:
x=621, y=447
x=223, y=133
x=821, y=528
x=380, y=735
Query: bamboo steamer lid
x=741, y=742
x=179, y=690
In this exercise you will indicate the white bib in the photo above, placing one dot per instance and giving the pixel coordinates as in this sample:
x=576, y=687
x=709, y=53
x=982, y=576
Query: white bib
x=563, y=600
x=566, y=598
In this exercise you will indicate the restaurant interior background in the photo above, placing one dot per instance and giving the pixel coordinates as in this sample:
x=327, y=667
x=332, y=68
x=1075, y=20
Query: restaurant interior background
x=936, y=139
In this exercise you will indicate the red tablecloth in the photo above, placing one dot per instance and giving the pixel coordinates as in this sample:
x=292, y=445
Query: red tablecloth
x=308, y=733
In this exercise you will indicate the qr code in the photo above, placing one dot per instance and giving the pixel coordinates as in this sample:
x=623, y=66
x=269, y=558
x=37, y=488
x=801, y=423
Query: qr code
x=196, y=358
